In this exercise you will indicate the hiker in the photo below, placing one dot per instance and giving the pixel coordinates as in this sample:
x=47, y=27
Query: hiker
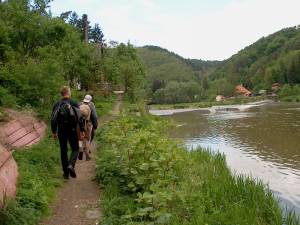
x=65, y=119
x=94, y=118
x=88, y=112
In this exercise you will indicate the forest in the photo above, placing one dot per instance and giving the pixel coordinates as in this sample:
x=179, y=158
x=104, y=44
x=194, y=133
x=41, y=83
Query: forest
x=272, y=59
x=39, y=53
x=172, y=79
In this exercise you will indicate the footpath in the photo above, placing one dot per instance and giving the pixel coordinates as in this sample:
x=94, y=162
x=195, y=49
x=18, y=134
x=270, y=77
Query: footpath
x=78, y=202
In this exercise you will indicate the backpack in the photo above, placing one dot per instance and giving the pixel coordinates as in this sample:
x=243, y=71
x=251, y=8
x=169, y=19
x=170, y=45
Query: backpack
x=85, y=111
x=66, y=114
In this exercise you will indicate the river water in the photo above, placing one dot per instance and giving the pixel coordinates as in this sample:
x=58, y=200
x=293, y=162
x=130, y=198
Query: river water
x=263, y=142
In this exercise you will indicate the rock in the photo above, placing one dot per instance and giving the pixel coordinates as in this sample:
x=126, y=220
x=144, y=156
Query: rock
x=8, y=175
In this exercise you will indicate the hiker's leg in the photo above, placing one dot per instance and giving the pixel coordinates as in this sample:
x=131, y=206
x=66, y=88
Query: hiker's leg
x=73, y=139
x=86, y=149
x=62, y=137
x=92, y=135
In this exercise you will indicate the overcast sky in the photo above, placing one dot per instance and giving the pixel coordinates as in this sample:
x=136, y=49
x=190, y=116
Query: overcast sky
x=203, y=29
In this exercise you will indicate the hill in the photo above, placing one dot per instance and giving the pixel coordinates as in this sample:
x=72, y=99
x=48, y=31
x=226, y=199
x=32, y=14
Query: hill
x=272, y=59
x=171, y=78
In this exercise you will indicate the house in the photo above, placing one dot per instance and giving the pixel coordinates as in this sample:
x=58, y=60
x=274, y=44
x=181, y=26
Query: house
x=220, y=98
x=239, y=89
x=276, y=87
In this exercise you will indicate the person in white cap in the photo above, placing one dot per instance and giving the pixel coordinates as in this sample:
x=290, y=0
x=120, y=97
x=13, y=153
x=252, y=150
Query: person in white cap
x=88, y=111
x=88, y=100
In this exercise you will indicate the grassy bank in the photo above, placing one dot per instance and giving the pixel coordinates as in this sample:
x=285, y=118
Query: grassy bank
x=206, y=104
x=39, y=176
x=148, y=179
x=289, y=93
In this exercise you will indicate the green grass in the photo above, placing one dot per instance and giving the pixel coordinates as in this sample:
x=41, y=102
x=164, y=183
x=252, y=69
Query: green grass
x=39, y=176
x=104, y=105
x=149, y=179
x=292, y=98
x=206, y=104
x=3, y=115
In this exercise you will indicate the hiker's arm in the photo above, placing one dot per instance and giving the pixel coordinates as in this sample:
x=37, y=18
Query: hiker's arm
x=93, y=108
x=54, y=119
x=81, y=124
x=94, y=119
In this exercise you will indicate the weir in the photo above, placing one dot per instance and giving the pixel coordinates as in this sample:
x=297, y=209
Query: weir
x=213, y=109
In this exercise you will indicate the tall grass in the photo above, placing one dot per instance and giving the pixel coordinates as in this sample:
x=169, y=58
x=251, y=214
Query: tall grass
x=148, y=179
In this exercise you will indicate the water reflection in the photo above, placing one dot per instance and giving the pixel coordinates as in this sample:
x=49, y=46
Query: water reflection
x=263, y=142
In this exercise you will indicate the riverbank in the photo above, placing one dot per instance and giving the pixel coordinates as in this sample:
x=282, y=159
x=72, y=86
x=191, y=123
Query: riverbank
x=149, y=179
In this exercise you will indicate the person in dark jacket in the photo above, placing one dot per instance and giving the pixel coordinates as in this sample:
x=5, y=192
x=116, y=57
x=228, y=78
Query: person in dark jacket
x=65, y=120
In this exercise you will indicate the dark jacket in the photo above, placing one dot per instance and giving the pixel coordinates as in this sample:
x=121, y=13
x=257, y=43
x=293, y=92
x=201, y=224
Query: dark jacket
x=54, y=121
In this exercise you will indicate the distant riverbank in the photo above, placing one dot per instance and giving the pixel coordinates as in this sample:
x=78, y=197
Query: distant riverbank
x=211, y=109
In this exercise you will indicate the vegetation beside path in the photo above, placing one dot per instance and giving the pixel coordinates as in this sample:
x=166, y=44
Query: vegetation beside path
x=150, y=179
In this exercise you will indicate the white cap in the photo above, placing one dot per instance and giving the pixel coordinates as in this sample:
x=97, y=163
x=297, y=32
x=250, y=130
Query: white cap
x=87, y=99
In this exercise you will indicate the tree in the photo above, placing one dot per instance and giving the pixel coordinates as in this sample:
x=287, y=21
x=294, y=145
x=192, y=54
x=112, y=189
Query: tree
x=65, y=15
x=41, y=6
x=123, y=68
x=96, y=35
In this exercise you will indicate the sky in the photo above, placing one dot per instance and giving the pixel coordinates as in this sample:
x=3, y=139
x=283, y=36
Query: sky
x=202, y=29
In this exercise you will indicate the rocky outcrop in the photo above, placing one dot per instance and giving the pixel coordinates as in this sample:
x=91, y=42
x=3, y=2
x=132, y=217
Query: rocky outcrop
x=8, y=175
x=21, y=130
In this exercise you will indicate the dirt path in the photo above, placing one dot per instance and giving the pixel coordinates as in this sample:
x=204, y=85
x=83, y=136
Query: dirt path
x=78, y=201
x=118, y=105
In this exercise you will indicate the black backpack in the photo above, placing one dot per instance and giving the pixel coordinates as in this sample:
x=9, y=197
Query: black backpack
x=65, y=114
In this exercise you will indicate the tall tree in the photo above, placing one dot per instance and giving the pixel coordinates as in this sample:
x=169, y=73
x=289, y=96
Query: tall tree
x=96, y=35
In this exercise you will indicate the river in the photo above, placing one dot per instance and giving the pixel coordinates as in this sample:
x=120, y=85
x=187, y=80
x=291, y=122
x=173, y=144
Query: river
x=263, y=142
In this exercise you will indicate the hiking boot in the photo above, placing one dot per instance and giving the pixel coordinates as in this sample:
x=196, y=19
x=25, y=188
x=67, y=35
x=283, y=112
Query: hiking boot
x=88, y=158
x=72, y=171
x=80, y=155
x=66, y=176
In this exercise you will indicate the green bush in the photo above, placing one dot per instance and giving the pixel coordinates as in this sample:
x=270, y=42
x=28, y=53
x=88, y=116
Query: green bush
x=6, y=99
x=149, y=179
x=290, y=93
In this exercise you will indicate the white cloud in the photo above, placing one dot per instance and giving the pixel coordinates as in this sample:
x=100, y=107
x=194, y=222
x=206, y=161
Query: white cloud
x=216, y=34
